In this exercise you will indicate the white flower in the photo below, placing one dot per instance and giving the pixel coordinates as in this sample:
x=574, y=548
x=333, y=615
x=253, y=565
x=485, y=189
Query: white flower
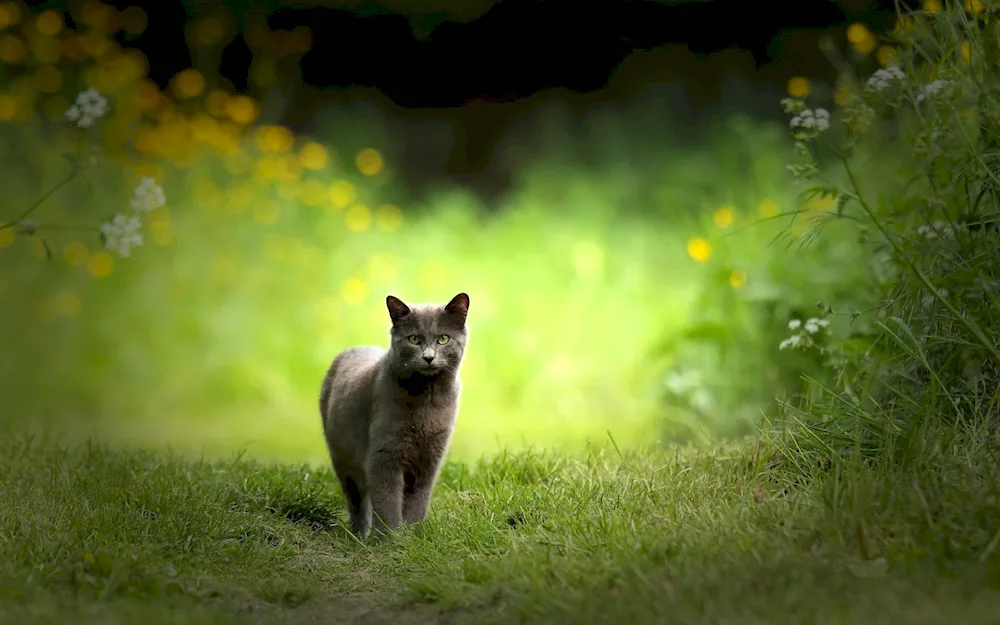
x=811, y=326
x=882, y=78
x=931, y=89
x=121, y=234
x=792, y=342
x=818, y=120
x=89, y=106
x=794, y=324
x=148, y=196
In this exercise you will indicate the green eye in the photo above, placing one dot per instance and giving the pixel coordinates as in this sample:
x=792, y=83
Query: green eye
x=443, y=339
x=413, y=338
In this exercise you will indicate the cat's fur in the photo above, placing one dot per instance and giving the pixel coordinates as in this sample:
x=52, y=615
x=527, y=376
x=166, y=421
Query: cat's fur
x=388, y=415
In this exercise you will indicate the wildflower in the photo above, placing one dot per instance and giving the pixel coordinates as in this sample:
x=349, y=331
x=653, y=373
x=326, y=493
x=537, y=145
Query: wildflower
x=935, y=229
x=89, y=106
x=791, y=342
x=121, y=234
x=794, y=324
x=148, y=196
x=932, y=89
x=814, y=324
x=818, y=120
x=882, y=78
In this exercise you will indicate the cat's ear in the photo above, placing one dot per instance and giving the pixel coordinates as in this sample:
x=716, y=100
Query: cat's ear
x=458, y=306
x=397, y=309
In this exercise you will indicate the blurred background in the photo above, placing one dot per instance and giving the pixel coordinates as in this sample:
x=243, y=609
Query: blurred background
x=607, y=180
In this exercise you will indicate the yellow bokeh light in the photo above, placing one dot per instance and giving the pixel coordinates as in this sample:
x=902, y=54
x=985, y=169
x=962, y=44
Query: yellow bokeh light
x=885, y=55
x=188, y=83
x=10, y=14
x=8, y=107
x=975, y=6
x=134, y=20
x=217, y=103
x=263, y=71
x=737, y=278
x=12, y=50
x=76, y=253
x=724, y=217
x=353, y=290
x=101, y=264
x=861, y=38
x=46, y=50
x=388, y=218
x=342, y=193
x=313, y=156
x=162, y=231
x=768, y=208
x=209, y=31
x=966, y=52
x=369, y=161
x=383, y=267
x=432, y=275
x=242, y=109
x=358, y=218
x=274, y=138
x=798, y=87
x=267, y=213
x=6, y=237
x=932, y=6
x=67, y=304
x=699, y=249
x=843, y=95
x=49, y=23
x=48, y=79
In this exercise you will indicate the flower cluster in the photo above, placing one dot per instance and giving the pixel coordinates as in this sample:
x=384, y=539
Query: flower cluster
x=121, y=234
x=818, y=120
x=804, y=338
x=933, y=89
x=89, y=107
x=936, y=229
x=882, y=78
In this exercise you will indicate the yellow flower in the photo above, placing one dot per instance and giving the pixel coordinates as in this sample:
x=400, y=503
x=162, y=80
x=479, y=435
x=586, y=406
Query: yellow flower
x=242, y=109
x=369, y=161
x=737, y=278
x=885, y=55
x=966, y=52
x=6, y=237
x=861, y=38
x=699, y=249
x=723, y=217
x=932, y=6
x=798, y=87
x=8, y=107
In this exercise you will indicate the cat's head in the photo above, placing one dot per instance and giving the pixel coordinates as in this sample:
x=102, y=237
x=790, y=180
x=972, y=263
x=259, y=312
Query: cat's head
x=428, y=338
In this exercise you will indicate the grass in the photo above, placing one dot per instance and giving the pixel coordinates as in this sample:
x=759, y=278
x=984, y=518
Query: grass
x=694, y=535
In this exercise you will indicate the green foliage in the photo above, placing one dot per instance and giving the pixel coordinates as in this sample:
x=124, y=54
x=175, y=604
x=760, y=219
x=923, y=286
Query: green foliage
x=916, y=382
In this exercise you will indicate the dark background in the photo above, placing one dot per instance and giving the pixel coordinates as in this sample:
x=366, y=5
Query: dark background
x=473, y=63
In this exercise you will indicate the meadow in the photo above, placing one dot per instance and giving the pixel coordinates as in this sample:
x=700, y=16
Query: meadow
x=742, y=373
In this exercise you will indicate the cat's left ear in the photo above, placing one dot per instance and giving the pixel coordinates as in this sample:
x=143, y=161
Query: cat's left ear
x=458, y=306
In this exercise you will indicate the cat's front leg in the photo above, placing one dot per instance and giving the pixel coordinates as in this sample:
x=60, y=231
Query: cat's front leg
x=385, y=490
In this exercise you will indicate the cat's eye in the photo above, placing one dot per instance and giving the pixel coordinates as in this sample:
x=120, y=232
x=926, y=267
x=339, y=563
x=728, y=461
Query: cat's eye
x=443, y=339
x=414, y=339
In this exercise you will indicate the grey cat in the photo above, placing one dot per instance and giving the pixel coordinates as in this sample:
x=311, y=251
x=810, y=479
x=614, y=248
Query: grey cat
x=388, y=415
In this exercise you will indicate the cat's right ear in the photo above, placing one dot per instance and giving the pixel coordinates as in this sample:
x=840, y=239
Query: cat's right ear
x=397, y=309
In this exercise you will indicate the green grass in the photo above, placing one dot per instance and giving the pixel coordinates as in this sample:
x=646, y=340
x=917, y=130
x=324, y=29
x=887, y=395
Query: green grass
x=683, y=534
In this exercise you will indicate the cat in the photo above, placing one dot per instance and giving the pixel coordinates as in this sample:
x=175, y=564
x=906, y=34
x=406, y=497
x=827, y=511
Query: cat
x=388, y=415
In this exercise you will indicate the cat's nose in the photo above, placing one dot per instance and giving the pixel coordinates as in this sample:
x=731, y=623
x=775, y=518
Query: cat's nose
x=429, y=359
